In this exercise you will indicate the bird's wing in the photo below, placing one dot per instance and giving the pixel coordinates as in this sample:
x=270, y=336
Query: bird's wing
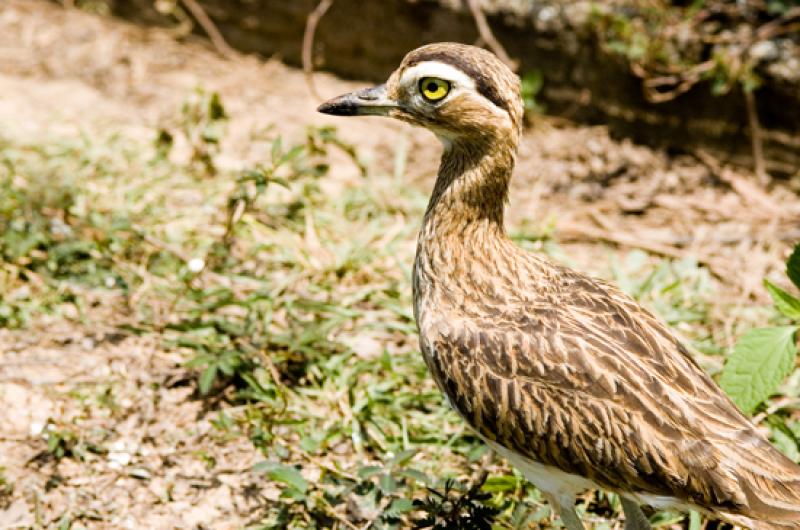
x=586, y=380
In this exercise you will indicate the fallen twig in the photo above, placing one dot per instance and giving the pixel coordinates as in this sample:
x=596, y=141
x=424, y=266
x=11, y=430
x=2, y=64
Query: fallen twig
x=749, y=192
x=779, y=404
x=756, y=139
x=30, y=362
x=581, y=231
x=667, y=87
x=308, y=44
x=680, y=242
x=575, y=231
x=209, y=27
x=17, y=439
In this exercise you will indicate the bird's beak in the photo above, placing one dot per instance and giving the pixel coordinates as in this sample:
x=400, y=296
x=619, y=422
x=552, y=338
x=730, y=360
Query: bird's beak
x=366, y=102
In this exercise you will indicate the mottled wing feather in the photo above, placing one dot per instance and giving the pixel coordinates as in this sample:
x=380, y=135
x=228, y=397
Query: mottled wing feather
x=586, y=380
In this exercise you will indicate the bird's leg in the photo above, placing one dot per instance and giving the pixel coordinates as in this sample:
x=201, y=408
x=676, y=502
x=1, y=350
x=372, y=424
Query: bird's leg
x=569, y=517
x=635, y=519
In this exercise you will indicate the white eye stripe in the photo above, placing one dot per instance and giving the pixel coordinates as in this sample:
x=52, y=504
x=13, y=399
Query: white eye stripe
x=439, y=70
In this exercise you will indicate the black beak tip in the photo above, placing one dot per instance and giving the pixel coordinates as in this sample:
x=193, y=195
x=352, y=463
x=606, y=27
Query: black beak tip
x=338, y=107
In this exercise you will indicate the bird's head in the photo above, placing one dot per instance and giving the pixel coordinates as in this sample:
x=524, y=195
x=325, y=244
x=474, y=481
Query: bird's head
x=459, y=92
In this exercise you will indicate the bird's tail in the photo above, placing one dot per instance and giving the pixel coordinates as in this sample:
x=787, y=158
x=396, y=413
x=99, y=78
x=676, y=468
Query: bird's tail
x=777, y=503
x=761, y=525
x=772, y=488
x=746, y=522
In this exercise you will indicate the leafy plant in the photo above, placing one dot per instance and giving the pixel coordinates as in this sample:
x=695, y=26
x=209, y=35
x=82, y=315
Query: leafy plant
x=202, y=124
x=674, y=46
x=53, y=236
x=532, y=83
x=66, y=443
x=375, y=492
x=294, y=485
x=764, y=357
x=6, y=489
x=457, y=508
x=233, y=332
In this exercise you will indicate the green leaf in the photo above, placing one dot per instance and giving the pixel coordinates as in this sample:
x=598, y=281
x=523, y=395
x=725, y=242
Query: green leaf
x=263, y=466
x=369, y=471
x=280, y=182
x=207, y=378
x=387, y=483
x=477, y=452
x=309, y=444
x=287, y=475
x=787, y=304
x=65, y=523
x=414, y=474
x=216, y=110
x=291, y=154
x=277, y=149
x=403, y=457
x=695, y=522
x=786, y=443
x=400, y=506
x=760, y=361
x=53, y=441
x=501, y=483
x=793, y=266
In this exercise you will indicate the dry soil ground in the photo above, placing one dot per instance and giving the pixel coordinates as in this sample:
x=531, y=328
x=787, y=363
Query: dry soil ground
x=64, y=73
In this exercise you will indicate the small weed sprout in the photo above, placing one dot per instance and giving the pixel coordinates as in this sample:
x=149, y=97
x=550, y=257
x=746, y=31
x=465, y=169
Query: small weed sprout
x=6, y=489
x=202, y=124
x=455, y=508
x=532, y=83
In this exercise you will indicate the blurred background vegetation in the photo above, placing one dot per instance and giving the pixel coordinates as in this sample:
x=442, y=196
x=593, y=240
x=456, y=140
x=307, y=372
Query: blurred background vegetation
x=205, y=303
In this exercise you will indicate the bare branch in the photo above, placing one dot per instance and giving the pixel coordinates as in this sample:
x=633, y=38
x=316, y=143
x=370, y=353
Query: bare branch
x=486, y=34
x=209, y=27
x=755, y=138
x=308, y=44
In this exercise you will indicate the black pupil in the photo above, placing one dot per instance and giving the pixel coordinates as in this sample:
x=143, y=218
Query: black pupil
x=432, y=87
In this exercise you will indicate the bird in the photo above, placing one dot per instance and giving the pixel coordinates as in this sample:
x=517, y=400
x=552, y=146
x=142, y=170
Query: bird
x=568, y=378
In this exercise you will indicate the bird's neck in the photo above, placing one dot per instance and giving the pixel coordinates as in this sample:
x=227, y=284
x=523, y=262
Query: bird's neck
x=463, y=245
x=470, y=193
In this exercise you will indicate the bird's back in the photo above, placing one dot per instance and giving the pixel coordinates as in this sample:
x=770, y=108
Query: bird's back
x=571, y=373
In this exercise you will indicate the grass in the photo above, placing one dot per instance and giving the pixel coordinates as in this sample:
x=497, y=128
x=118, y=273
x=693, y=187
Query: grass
x=288, y=296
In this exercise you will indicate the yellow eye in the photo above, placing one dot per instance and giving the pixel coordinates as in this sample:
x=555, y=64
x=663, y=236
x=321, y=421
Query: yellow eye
x=433, y=89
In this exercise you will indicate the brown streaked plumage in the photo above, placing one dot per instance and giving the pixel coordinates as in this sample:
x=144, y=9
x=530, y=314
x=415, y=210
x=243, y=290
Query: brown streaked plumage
x=564, y=375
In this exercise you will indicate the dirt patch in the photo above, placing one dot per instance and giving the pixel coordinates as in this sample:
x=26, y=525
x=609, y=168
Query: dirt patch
x=67, y=73
x=121, y=403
